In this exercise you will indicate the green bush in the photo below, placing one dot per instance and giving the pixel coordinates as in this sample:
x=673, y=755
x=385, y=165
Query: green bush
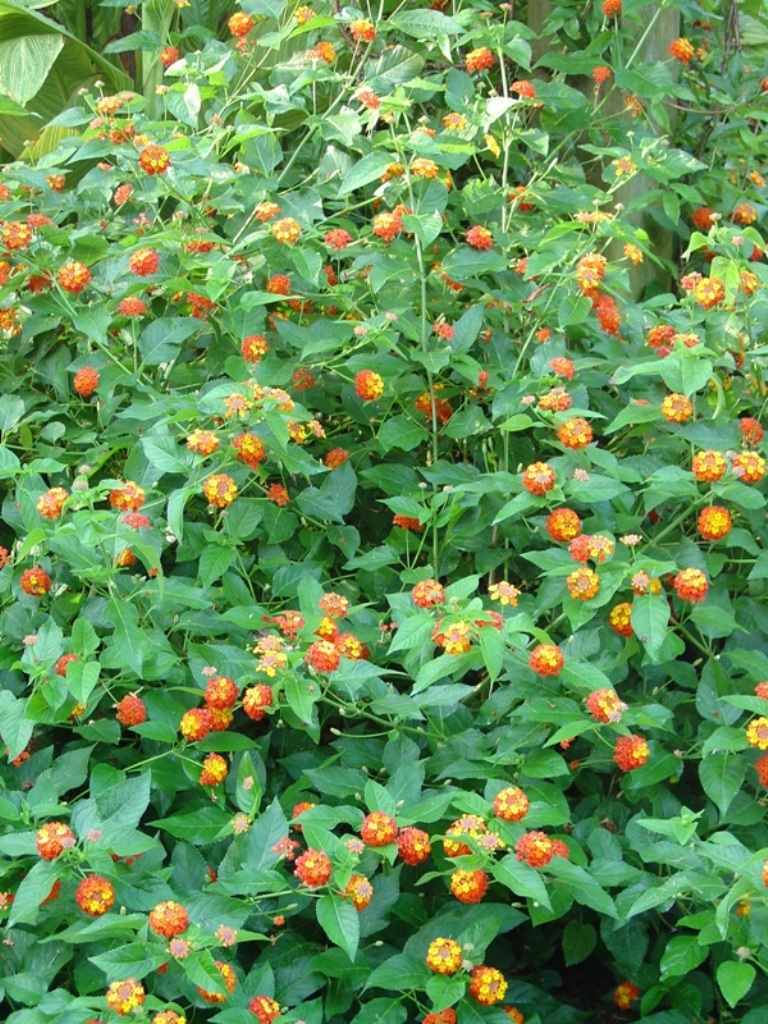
x=384, y=556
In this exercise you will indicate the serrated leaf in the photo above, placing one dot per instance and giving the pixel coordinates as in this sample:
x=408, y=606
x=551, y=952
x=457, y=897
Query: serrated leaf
x=166, y=455
x=424, y=24
x=202, y=971
x=82, y=679
x=682, y=955
x=161, y=341
x=369, y=169
x=201, y=826
x=398, y=974
x=214, y=562
x=340, y=922
x=492, y=648
x=734, y=979
x=130, y=960
x=301, y=695
x=722, y=775
x=522, y=880
x=579, y=939
x=650, y=618
x=33, y=889
x=127, y=639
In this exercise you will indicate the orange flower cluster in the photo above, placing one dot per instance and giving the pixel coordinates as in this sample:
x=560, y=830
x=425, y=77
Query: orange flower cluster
x=220, y=490
x=168, y=919
x=691, y=585
x=583, y=584
x=378, y=829
x=35, y=581
x=53, y=838
x=154, y=160
x=95, y=895
x=682, y=50
x=130, y=710
x=479, y=60
x=257, y=700
x=444, y=956
x=630, y=752
x=479, y=238
x=125, y=996
x=575, y=433
x=264, y=1009
x=538, y=478
x=413, y=845
x=487, y=985
x=620, y=618
x=73, y=277
x=313, y=868
x=546, y=660
x=362, y=30
x=369, y=385
x=511, y=804
x=469, y=886
x=676, y=408
x=359, y=891
x=605, y=706
x=144, y=262
x=714, y=522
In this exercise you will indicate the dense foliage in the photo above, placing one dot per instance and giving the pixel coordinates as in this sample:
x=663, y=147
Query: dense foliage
x=384, y=547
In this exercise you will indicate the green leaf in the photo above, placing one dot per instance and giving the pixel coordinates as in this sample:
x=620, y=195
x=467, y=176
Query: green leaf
x=166, y=455
x=682, y=955
x=722, y=775
x=9, y=462
x=401, y=432
x=415, y=632
x=464, y=263
x=522, y=880
x=127, y=640
x=399, y=973
x=685, y=372
x=424, y=24
x=15, y=727
x=340, y=922
x=650, y=616
x=131, y=960
x=394, y=67
x=334, y=499
x=369, y=169
x=34, y=888
x=582, y=886
x=202, y=971
x=579, y=939
x=734, y=979
x=48, y=65
x=517, y=422
x=160, y=341
x=493, y=648
x=389, y=1009
x=201, y=826
x=214, y=562
x=82, y=679
x=25, y=63
x=12, y=409
x=302, y=695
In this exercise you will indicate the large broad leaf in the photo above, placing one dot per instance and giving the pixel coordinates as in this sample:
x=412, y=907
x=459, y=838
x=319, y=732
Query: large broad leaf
x=340, y=922
x=25, y=61
x=43, y=66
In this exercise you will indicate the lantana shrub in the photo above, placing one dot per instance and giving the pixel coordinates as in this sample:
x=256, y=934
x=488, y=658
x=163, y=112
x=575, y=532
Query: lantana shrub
x=383, y=558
